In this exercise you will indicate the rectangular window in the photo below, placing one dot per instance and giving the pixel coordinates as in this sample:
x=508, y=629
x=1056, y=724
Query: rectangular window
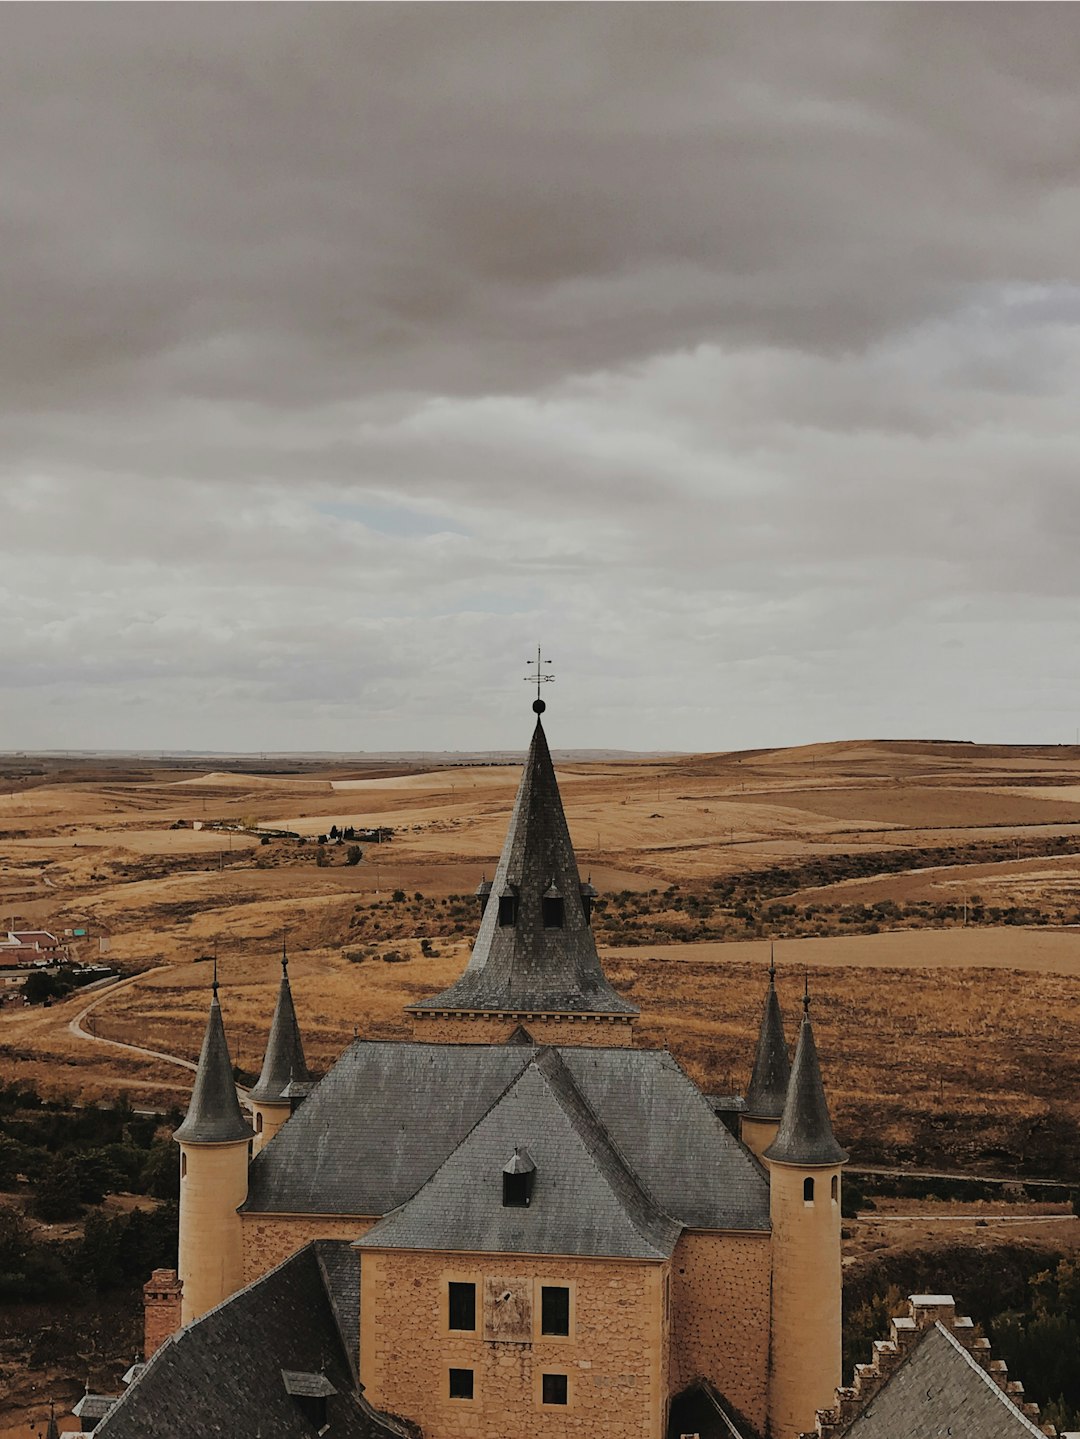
x=554, y=1309
x=462, y=1306
x=461, y=1384
x=553, y=1389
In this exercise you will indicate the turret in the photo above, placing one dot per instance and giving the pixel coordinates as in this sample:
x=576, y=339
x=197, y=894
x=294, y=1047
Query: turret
x=214, y=1142
x=769, y=1081
x=804, y=1162
x=284, y=1079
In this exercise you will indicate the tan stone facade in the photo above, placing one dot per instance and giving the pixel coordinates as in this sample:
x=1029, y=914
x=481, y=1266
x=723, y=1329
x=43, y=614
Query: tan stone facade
x=614, y=1360
x=213, y=1184
x=806, y=1296
x=758, y=1134
x=720, y=1316
x=266, y=1120
x=605, y=1031
x=270, y=1238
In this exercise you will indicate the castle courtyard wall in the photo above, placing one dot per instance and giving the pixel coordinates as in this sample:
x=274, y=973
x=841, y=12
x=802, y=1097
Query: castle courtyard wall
x=614, y=1358
x=270, y=1238
x=720, y=1287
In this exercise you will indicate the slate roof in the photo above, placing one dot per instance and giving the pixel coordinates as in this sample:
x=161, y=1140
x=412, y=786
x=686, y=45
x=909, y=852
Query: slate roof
x=284, y=1067
x=223, y=1374
x=805, y=1135
x=214, y=1115
x=940, y=1389
x=526, y=967
x=585, y=1200
x=389, y=1114
x=772, y=1066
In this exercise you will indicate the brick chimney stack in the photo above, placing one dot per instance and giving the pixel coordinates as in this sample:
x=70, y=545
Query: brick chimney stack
x=161, y=1309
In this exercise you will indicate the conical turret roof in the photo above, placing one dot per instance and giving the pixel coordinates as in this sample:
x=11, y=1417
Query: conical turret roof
x=284, y=1063
x=805, y=1135
x=527, y=965
x=53, y=1429
x=214, y=1115
x=772, y=1065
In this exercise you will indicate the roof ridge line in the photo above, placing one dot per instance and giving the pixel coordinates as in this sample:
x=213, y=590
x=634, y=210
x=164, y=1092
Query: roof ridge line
x=562, y=1069
x=983, y=1375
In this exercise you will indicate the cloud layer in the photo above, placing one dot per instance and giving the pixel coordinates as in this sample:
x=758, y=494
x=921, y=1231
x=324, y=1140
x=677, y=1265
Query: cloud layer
x=731, y=351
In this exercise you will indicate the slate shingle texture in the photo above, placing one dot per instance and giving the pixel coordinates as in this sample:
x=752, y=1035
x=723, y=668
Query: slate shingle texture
x=214, y=1115
x=389, y=1114
x=940, y=1390
x=222, y=1375
x=284, y=1065
x=527, y=967
x=772, y=1065
x=805, y=1136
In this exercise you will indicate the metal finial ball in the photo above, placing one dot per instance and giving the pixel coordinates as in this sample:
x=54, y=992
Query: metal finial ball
x=539, y=707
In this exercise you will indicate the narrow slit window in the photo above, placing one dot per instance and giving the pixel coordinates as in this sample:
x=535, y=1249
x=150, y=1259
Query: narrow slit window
x=461, y=1384
x=553, y=1388
x=462, y=1306
x=808, y=1191
x=183, y=1165
x=554, y=1309
x=258, y=1123
x=835, y=1188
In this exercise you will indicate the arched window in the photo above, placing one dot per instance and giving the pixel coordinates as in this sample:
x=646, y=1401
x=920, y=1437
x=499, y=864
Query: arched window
x=808, y=1190
x=835, y=1188
x=258, y=1122
x=183, y=1165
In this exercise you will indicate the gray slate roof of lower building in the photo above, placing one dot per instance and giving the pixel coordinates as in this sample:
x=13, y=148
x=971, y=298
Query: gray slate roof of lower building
x=222, y=1374
x=584, y=1199
x=938, y=1390
x=389, y=1114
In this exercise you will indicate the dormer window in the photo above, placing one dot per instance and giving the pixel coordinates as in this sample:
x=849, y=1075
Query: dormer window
x=588, y=894
x=552, y=907
x=309, y=1392
x=483, y=889
x=508, y=907
x=518, y=1175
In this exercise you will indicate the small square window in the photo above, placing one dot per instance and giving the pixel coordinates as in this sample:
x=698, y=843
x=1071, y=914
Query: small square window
x=462, y=1304
x=553, y=1390
x=461, y=1384
x=554, y=1309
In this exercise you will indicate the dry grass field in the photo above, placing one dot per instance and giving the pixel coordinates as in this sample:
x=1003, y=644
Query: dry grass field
x=944, y=1043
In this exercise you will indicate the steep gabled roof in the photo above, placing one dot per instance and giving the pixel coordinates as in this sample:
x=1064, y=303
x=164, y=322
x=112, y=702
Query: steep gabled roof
x=585, y=1199
x=223, y=1374
x=772, y=1066
x=284, y=1064
x=527, y=967
x=214, y=1115
x=388, y=1114
x=805, y=1135
x=940, y=1389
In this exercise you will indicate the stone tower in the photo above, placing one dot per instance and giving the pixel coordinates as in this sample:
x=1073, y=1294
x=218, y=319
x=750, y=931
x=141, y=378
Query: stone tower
x=534, y=962
x=804, y=1162
x=214, y=1142
x=284, y=1079
x=769, y=1081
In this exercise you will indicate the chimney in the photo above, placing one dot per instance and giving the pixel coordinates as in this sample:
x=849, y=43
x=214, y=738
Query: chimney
x=161, y=1309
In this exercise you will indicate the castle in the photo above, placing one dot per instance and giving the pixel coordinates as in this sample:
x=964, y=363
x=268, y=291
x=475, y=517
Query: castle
x=517, y=1224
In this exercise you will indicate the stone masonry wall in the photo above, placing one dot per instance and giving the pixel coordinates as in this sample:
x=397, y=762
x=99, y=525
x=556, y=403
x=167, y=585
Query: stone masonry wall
x=613, y=1358
x=720, y=1307
x=270, y=1238
x=497, y=1029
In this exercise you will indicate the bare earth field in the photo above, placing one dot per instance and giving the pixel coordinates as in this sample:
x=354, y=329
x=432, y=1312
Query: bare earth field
x=943, y=1043
x=930, y=892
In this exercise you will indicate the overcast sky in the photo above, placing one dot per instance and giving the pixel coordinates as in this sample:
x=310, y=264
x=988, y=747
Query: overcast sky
x=347, y=352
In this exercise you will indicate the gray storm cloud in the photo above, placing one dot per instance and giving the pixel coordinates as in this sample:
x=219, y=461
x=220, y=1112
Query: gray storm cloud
x=348, y=350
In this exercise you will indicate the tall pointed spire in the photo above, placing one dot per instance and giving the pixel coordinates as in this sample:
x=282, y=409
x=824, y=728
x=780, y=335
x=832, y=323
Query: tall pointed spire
x=284, y=1064
x=53, y=1430
x=535, y=951
x=772, y=1066
x=214, y=1115
x=805, y=1135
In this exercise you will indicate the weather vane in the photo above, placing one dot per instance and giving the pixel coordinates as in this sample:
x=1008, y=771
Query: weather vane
x=539, y=677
